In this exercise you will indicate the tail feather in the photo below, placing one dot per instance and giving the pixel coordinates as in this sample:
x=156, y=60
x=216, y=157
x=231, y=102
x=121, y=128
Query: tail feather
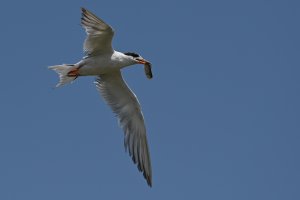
x=62, y=71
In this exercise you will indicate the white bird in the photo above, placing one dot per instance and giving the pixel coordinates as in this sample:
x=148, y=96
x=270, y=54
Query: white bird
x=103, y=61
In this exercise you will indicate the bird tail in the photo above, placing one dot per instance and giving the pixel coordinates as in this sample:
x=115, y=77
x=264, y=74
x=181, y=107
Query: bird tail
x=67, y=73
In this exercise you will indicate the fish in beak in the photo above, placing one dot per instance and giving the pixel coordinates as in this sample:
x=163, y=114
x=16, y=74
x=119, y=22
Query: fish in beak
x=147, y=67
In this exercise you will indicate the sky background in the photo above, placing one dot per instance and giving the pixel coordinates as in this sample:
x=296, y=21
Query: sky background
x=222, y=110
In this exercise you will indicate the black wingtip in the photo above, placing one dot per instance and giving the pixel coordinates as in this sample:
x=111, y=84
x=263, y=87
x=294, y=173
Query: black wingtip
x=148, y=178
x=149, y=181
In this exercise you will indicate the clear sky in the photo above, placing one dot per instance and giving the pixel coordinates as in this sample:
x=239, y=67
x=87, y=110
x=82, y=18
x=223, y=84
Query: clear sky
x=222, y=111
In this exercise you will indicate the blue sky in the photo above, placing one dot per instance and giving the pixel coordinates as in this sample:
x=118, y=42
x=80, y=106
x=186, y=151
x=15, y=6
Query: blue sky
x=222, y=111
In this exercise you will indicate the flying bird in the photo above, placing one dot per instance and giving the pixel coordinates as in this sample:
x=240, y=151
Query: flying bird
x=105, y=63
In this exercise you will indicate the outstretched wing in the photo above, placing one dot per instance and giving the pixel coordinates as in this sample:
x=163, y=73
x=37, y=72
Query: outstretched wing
x=124, y=103
x=99, y=34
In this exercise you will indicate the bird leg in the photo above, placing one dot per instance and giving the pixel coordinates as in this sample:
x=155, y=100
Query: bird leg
x=74, y=73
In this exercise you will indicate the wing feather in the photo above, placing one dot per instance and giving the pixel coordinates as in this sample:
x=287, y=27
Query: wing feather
x=99, y=34
x=125, y=105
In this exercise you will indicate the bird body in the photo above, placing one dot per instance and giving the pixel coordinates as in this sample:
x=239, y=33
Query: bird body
x=105, y=63
x=95, y=65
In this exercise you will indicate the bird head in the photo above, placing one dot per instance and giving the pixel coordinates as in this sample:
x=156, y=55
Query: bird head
x=140, y=60
x=137, y=58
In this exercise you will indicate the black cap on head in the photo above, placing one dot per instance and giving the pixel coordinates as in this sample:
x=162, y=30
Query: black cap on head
x=135, y=55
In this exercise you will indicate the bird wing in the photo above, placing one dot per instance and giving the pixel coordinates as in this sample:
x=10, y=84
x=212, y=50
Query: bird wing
x=125, y=104
x=99, y=34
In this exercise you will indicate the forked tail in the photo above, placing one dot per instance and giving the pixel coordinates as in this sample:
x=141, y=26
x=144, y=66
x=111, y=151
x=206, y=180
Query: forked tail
x=65, y=73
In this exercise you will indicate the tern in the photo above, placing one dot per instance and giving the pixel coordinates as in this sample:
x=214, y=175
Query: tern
x=105, y=63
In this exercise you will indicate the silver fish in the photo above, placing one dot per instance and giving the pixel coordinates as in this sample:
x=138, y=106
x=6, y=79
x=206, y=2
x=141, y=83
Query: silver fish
x=148, y=71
